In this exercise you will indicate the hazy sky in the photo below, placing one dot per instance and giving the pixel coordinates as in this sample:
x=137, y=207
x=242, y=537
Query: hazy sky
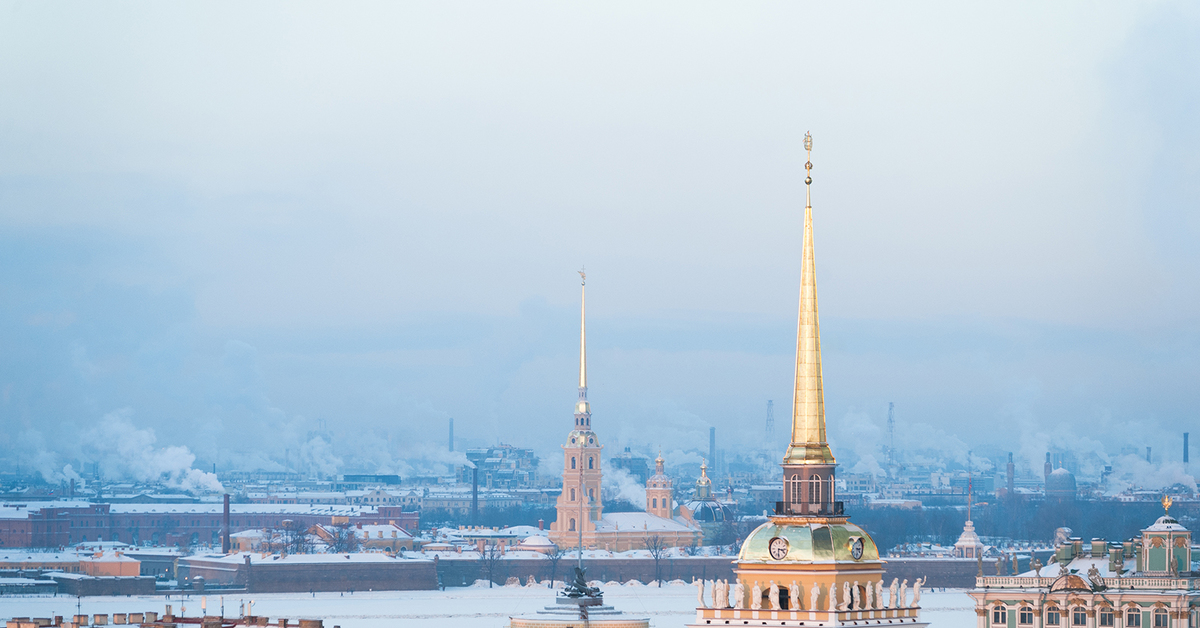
x=224, y=226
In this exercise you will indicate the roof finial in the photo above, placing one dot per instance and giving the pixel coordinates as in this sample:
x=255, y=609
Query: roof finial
x=1166, y=503
x=808, y=170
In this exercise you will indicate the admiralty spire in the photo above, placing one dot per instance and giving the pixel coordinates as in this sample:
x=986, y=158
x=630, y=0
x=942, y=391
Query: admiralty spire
x=808, y=463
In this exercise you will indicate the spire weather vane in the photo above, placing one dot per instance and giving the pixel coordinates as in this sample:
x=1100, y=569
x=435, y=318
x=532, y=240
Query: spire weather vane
x=808, y=169
x=582, y=276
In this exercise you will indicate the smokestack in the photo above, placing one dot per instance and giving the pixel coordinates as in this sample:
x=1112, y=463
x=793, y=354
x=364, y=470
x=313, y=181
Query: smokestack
x=1148, y=456
x=1185, y=448
x=451, y=434
x=1048, y=468
x=474, y=495
x=1011, y=473
x=712, y=445
x=225, y=527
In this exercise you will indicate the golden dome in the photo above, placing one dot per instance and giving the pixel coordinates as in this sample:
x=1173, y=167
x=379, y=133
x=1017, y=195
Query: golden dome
x=810, y=542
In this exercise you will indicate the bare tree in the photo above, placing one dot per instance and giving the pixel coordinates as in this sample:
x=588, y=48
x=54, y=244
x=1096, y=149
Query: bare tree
x=658, y=550
x=489, y=561
x=552, y=557
x=343, y=539
x=693, y=549
x=295, y=539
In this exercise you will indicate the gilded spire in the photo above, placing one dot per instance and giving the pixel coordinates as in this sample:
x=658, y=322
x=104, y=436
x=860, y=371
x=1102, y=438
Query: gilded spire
x=583, y=409
x=808, y=445
x=582, y=330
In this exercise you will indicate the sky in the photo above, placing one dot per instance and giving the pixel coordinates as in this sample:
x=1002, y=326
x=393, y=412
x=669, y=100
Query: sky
x=291, y=235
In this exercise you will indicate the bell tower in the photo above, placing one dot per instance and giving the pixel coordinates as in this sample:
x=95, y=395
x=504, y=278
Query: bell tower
x=579, y=506
x=658, y=491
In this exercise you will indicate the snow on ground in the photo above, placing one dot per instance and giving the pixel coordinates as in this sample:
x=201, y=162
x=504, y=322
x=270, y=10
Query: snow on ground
x=671, y=606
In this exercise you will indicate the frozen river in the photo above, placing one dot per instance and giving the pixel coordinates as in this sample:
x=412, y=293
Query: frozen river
x=469, y=607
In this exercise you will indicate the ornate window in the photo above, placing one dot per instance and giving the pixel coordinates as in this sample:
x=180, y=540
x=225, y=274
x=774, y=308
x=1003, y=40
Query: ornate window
x=590, y=459
x=655, y=502
x=999, y=615
x=1133, y=617
x=572, y=494
x=572, y=529
x=1053, y=617
x=814, y=489
x=1025, y=616
x=1161, y=619
x=1078, y=616
x=572, y=462
x=1106, y=617
x=795, y=483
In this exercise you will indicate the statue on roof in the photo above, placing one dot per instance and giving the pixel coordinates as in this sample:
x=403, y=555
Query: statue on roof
x=1036, y=566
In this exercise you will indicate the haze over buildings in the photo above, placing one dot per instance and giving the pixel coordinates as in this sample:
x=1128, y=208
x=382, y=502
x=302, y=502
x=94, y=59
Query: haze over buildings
x=303, y=242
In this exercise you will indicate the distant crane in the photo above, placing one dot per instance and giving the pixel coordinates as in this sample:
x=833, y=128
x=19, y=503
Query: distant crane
x=770, y=419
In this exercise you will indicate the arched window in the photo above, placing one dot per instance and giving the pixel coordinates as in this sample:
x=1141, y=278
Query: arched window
x=592, y=494
x=999, y=615
x=656, y=502
x=572, y=494
x=1053, y=616
x=1133, y=617
x=795, y=489
x=590, y=459
x=1161, y=619
x=814, y=489
x=1025, y=616
x=572, y=462
x=1078, y=616
x=1106, y=616
x=572, y=529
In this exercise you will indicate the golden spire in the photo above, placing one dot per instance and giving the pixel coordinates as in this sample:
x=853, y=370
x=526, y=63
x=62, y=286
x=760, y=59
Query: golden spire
x=1166, y=504
x=582, y=330
x=583, y=409
x=808, y=396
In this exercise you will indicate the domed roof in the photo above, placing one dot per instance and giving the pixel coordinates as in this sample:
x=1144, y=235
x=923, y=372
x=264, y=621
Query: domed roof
x=1070, y=582
x=1166, y=523
x=1060, y=483
x=582, y=437
x=536, y=541
x=709, y=510
x=812, y=542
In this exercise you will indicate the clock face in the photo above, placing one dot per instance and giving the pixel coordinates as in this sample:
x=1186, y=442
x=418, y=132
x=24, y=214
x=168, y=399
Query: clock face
x=778, y=547
x=856, y=548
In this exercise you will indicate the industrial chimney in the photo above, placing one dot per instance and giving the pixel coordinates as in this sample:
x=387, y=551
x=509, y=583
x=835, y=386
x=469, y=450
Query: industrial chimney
x=712, y=445
x=1185, y=449
x=1148, y=456
x=225, y=527
x=451, y=434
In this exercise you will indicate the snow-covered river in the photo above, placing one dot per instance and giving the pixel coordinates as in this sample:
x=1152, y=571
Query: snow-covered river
x=470, y=607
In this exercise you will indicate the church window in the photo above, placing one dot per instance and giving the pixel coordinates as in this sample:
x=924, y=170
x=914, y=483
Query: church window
x=999, y=615
x=1025, y=616
x=814, y=489
x=1106, y=617
x=572, y=526
x=572, y=494
x=590, y=459
x=795, y=487
x=1133, y=618
x=655, y=502
x=1053, y=617
x=1161, y=620
x=592, y=494
x=572, y=462
x=1078, y=616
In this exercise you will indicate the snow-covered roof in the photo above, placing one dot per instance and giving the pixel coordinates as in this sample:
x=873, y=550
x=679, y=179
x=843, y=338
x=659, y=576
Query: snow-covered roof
x=257, y=558
x=638, y=521
x=1166, y=523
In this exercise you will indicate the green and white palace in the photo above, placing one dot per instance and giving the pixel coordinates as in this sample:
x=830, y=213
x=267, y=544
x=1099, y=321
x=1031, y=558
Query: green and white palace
x=1145, y=582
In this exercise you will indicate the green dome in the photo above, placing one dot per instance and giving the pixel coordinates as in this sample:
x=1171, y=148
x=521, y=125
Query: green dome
x=809, y=543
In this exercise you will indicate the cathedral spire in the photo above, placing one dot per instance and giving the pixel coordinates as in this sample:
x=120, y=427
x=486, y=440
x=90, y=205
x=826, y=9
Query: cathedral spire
x=808, y=444
x=583, y=409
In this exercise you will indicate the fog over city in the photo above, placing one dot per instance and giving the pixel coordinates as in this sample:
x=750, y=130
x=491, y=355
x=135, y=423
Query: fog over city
x=304, y=241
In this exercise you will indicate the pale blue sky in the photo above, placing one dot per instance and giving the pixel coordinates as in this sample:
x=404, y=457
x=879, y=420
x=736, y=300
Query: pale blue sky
x=227, y=222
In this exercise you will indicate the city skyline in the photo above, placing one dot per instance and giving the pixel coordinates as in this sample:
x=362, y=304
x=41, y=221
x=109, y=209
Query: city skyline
x=1005, y=234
